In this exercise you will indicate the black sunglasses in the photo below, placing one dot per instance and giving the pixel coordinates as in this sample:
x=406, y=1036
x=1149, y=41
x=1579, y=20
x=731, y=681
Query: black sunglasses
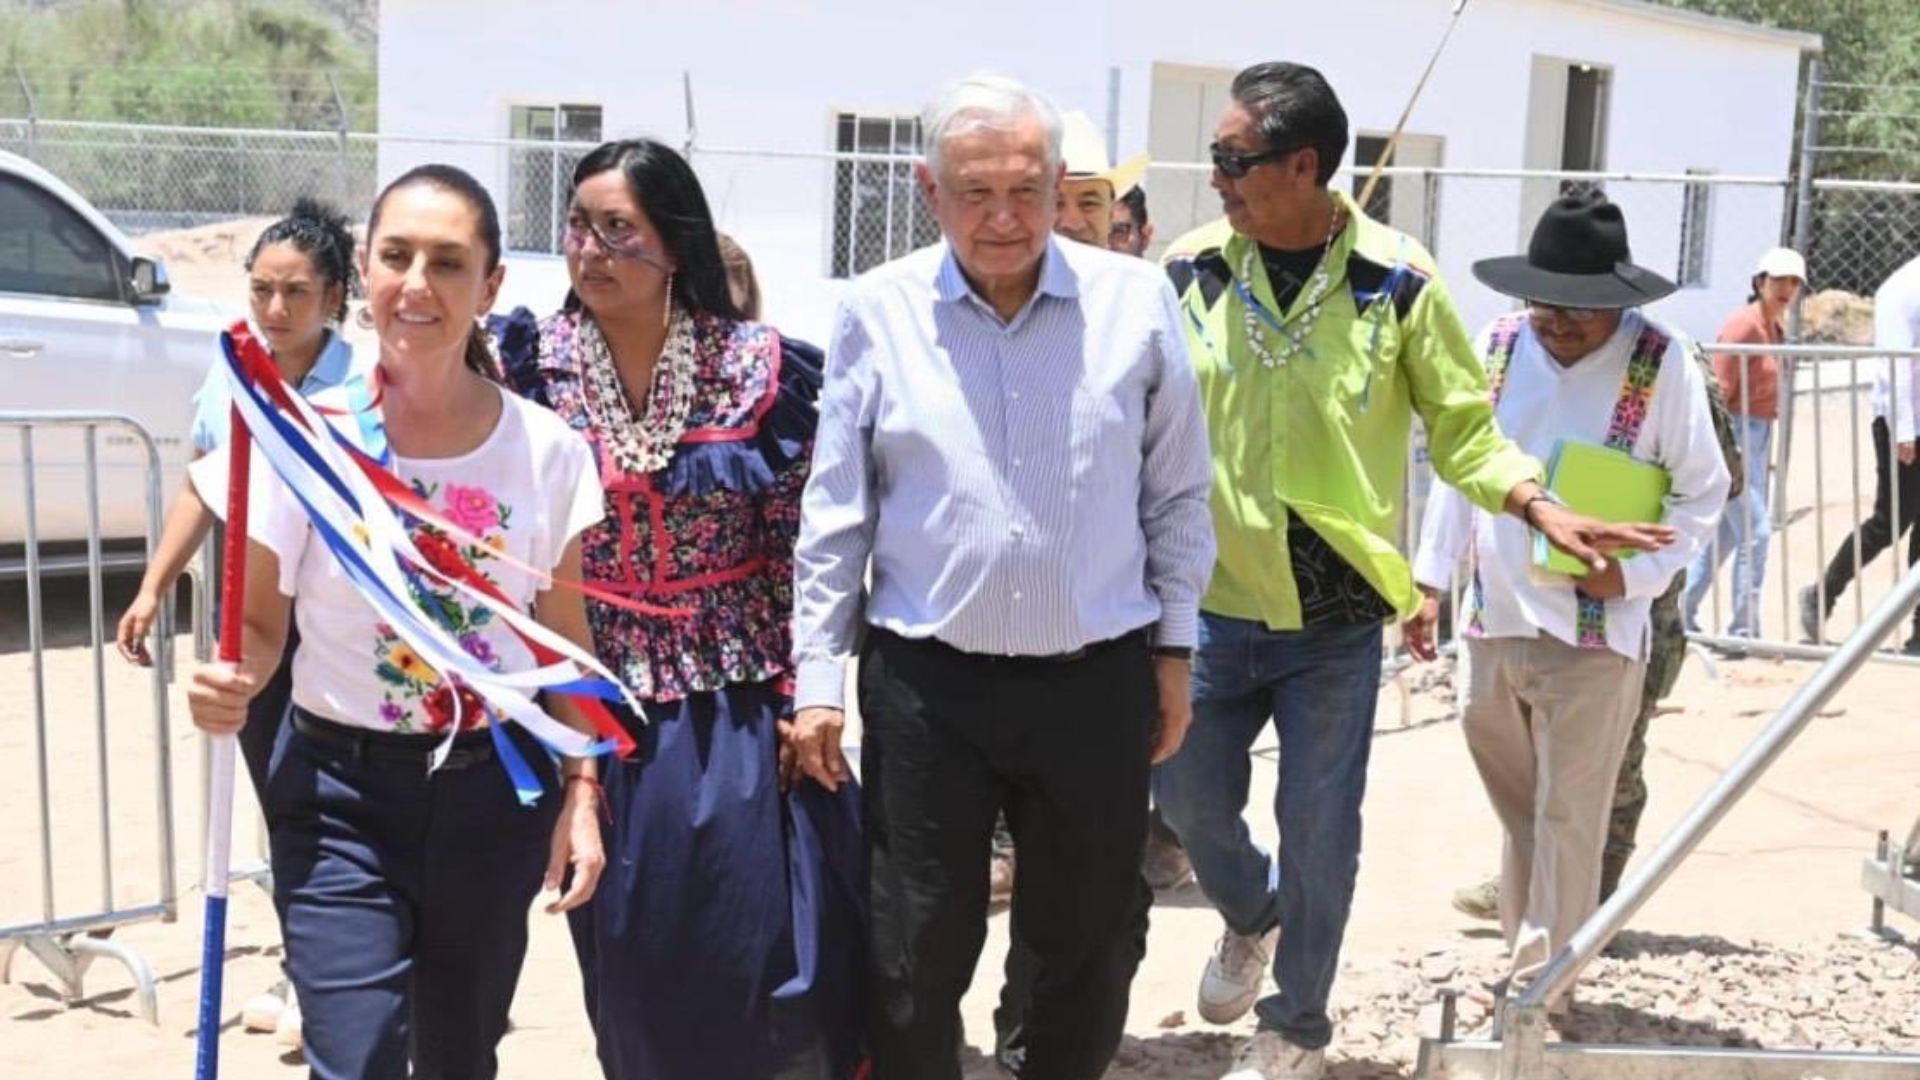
x=1234, y=166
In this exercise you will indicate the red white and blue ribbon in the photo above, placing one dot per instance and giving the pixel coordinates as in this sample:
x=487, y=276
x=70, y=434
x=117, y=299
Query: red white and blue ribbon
x=361, y=512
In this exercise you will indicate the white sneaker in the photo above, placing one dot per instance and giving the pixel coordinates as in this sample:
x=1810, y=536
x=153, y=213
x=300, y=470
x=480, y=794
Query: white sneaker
x=262, y=1011
x=288, y=1032
x=1234, y=975
x=1267, y=1056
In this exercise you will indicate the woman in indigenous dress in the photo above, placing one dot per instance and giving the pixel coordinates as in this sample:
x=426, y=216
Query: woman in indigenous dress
x=403, y=891
x=724, y=939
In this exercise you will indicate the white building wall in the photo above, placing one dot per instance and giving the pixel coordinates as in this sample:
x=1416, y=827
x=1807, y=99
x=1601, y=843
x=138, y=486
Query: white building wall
x=771, y=74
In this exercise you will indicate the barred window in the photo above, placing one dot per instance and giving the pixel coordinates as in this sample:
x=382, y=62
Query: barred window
x=878, y=213
x=1696, y=230
x=539, y=177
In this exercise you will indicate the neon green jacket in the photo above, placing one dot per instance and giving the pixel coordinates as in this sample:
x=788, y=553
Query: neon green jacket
x=1325, y=435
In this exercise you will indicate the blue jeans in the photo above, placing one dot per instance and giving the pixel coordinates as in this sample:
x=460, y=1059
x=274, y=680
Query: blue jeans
x=1319, y=687
x=1743, y=532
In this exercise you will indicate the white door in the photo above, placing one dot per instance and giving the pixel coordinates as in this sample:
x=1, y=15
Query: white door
x=1186, y=106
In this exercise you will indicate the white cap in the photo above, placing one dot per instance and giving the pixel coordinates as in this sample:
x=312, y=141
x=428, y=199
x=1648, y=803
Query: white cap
x=1783, y=262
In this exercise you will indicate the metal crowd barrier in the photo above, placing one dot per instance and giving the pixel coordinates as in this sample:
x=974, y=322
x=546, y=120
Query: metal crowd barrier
x=1820, y=380
x=68, y=937
x=1519, y=1050
x=1517, y=1047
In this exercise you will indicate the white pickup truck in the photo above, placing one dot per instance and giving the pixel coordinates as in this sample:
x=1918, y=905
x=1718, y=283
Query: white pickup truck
x=87, y=324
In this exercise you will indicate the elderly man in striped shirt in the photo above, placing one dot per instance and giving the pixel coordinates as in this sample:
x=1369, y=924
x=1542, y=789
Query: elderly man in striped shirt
x=1011, y=438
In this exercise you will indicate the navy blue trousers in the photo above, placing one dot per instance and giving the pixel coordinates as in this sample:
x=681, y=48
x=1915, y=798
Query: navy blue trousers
x=403, y=898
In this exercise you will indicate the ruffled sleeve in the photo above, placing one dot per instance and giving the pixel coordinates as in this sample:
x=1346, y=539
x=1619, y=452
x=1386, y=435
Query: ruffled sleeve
x=780, y=440
x=788, y=437
x=516, y=341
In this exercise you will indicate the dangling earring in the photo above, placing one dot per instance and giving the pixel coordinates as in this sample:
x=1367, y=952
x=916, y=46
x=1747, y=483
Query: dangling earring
x=364, y=317
x=666, y=316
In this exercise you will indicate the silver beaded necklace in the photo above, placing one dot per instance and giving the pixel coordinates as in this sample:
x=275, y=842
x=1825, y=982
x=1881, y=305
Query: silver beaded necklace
x=1257, y=319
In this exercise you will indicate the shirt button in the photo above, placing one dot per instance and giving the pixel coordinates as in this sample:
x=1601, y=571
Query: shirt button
x=1013, y=395
x=1016, y=463
x=1016, y=594
x=1017, y=531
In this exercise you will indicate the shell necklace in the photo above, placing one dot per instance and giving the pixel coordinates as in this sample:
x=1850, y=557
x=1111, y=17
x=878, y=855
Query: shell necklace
x=645, y=444
x=1257, y=319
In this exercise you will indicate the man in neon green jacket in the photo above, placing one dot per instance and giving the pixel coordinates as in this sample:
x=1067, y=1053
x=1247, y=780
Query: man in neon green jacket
x=1318, y=335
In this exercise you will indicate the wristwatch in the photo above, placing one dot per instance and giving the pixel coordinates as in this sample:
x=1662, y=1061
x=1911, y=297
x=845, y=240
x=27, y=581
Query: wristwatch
x=1173, y=652
x=1543, y=495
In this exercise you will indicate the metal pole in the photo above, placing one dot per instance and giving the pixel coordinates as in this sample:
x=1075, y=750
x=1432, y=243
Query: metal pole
x=163, y=753
x=1113, y=114
x=33, y=114
x=341, y=124
x=1802, y=242
x=1853, y=439
x=97, y=627
x=36, y=648
x=1766, y=748
x=693, y=128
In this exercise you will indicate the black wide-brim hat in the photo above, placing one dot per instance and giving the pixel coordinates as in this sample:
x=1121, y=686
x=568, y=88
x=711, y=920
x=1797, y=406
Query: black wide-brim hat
x=1579, y=258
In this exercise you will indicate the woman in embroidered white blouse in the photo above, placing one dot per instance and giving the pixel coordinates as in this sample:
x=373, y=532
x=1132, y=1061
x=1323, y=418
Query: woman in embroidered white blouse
x=404, y=890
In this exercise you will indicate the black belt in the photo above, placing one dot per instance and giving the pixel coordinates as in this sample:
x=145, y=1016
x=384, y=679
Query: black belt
x=364, y=744
x=1084, y=652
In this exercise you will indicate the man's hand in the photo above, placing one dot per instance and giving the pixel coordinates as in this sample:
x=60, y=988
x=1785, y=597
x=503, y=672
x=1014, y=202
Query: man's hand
x=810, y=745
x=1605, y=584
x=1589, y=539
x=1906, y=452
x=1173, y=674
x=1420, y=631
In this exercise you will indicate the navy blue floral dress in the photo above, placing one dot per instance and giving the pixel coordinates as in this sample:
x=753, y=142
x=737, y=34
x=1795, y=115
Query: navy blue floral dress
x=725, y=938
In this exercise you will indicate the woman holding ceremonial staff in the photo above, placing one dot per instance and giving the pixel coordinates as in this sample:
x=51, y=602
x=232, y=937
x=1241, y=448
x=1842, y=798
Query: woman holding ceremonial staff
x=403, y=865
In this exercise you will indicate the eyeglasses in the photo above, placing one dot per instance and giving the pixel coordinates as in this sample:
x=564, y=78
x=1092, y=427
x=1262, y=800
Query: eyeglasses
x=1121, y=230
x=626, y=244
x=1571, y=314
x=1234, y=165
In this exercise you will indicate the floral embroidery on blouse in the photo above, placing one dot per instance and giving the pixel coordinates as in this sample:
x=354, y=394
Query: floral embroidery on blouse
x=416, y=698
x=714, y=529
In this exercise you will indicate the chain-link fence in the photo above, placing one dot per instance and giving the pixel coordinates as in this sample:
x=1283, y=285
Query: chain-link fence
x=1860, y=153
x=1861, y=231
x=812, y=218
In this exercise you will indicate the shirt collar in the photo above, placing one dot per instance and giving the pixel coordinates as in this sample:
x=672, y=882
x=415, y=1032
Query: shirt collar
x=330, y=368
x=1057, y=276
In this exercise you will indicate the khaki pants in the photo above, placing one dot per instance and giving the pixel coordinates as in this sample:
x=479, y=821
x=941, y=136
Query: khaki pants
x=1547, y=724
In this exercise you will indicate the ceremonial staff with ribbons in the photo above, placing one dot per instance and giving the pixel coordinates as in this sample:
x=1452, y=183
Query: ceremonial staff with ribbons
x=428, y=523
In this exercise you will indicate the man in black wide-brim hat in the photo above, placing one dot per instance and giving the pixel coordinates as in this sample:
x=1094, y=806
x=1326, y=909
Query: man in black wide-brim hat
x=1556, y=661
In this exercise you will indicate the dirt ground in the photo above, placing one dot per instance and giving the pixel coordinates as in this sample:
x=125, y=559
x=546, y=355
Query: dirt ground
x=1782, y=870
x=1779, y=875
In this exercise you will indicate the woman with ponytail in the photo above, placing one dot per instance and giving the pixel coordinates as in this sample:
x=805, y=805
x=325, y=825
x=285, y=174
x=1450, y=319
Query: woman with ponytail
x=403, y=863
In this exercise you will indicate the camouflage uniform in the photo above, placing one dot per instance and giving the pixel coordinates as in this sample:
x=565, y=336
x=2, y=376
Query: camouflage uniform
x=1667, y=650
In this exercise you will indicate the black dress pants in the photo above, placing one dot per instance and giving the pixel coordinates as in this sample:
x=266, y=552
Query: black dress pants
x=951, y=739
x=1880, y=529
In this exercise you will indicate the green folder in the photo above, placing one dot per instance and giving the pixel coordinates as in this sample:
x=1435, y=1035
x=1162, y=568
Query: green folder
x=1601, y=483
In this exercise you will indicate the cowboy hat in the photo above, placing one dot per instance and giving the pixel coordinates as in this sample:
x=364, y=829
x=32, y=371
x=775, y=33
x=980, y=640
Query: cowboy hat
x=1084, y=150
x=1579, y=258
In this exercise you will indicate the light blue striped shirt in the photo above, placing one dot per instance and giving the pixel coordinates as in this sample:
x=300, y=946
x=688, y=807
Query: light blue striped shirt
x=1021, y=488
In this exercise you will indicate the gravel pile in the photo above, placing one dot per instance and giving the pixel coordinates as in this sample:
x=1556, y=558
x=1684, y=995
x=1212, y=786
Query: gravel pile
x=1648, y=989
